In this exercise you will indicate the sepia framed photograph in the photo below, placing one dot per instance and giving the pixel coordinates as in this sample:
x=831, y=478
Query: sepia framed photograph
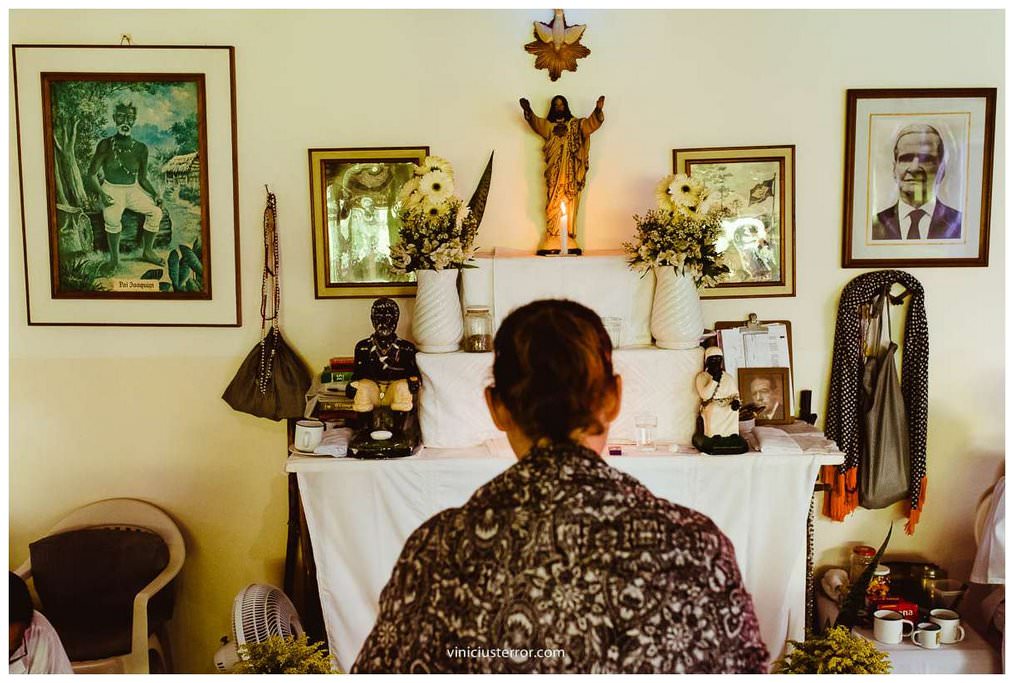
x=918, y=177
x=128, y=186
x=354, y=208
x=767, y=387
x=757, y=184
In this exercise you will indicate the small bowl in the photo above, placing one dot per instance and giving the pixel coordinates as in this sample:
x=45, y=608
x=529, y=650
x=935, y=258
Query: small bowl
x=381, y=435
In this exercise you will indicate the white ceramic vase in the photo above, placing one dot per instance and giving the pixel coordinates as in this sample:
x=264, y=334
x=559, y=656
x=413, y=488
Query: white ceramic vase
x=677, y=321
x=436, y=321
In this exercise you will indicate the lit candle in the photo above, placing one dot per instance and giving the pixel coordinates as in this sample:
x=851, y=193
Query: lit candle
x=564, y=234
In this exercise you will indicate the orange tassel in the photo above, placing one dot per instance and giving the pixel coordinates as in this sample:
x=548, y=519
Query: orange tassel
x=843, y=498
x=914, y=513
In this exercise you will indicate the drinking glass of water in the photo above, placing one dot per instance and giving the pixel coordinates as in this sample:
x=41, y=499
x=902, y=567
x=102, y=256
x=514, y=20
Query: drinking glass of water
x=644, y=425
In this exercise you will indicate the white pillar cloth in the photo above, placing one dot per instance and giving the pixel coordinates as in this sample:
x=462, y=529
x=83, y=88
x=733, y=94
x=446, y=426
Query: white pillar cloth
x=359, y=514
x=660, y=382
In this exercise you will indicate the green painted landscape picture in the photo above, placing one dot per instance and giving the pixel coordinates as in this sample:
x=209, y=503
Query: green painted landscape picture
x=126, y=171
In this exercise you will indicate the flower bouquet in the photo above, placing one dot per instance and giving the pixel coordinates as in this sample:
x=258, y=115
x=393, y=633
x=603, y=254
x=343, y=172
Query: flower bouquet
x=437, y=229
x=682, y=232
x=678, y=240
x=437, y=240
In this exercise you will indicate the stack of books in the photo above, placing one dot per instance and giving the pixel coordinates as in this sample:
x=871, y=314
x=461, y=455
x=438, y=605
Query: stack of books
x=327, y=393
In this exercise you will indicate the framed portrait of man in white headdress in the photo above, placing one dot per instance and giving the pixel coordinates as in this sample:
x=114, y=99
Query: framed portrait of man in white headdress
x=918, y=175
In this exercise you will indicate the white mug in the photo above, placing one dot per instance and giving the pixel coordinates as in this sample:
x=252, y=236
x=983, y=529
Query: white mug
x=949, y=621
x=889, y=626
x=308, y=435
x=927, y=634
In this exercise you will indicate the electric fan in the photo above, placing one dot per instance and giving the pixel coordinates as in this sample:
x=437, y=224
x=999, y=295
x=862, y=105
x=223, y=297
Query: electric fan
x=259, y=611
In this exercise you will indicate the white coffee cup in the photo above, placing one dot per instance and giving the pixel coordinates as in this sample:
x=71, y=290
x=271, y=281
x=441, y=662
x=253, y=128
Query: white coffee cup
x=889, y=626
x=308, y=435
x=926, y=634
x=949, y=621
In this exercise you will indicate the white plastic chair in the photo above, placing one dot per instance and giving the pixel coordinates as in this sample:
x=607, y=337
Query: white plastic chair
x=132, y=514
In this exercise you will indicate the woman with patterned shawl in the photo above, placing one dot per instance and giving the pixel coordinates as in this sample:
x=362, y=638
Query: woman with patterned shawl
x=562, y=563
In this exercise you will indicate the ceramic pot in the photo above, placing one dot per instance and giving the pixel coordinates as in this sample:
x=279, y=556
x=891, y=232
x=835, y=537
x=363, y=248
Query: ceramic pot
x=677, y=321
x=746, y=426
x=436, y=321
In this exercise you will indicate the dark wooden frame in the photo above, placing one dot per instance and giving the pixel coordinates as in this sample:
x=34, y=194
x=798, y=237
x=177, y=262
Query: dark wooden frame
x=783, y=373
x=317, y=156
x=787, y=211
x=230, y=50
x=48, y=78
x=852, y=100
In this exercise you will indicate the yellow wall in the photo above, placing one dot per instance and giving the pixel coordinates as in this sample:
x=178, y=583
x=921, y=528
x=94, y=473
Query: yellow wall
x=136, y=412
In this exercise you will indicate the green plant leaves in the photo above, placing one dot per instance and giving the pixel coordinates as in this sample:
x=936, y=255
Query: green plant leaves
x=278, y=655
x=854, y=601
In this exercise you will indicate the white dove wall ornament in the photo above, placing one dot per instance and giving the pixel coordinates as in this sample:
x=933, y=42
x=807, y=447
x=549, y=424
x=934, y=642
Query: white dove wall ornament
x=557, y=46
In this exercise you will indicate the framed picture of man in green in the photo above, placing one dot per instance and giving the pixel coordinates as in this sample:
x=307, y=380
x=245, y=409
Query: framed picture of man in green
x=137, y=192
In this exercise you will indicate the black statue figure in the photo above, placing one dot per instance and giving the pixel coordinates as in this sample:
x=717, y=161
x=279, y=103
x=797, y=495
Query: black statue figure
x=385, y=381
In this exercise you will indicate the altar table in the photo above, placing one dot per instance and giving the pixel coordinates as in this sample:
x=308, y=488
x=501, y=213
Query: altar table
x=359, y=514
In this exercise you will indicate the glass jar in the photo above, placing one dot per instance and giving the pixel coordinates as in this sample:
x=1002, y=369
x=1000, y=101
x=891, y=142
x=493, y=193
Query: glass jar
x=862, y=557
x=929, y=574
x=478, y=329
x=880, y=584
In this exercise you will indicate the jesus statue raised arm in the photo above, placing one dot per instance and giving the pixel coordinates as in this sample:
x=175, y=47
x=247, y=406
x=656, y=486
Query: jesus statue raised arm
x=566, y=153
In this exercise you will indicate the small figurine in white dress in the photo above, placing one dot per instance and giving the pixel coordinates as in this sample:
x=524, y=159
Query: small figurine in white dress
x=719, y=406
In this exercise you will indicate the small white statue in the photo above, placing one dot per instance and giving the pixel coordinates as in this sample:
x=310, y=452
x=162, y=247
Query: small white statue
x=719, y=396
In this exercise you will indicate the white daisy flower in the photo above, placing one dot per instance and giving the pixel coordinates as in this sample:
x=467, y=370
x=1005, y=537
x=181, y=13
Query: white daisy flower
x=687, y=193
x=431, y=209
x=409, y=195
x=435, y=163
x=436, y=186
x=662, y=192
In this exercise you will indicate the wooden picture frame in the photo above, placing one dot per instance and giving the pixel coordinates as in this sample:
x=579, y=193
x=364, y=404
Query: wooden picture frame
x=745, y=324
x=129, y=193
x=758, y=184
x=764, y=385
x=923, y=154
x=354, y=212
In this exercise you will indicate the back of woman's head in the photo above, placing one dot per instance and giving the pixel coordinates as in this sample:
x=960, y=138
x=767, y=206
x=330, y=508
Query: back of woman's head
x=553, y=370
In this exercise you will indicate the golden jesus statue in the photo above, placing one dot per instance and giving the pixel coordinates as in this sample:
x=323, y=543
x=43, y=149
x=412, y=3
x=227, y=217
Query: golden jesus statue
x=566, y=153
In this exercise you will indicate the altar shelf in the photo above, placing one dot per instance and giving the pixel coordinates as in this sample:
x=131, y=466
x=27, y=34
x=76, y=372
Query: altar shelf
x=453, y=413
x=506, y=279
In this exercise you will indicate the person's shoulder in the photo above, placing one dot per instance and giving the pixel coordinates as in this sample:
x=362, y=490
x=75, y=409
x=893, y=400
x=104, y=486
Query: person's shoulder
x=948, y=213
x=426, y=535
x=885, y=224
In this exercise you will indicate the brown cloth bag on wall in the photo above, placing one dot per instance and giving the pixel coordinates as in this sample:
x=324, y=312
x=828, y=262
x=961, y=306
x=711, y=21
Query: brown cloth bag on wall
x=273, y=380
x=884, y=464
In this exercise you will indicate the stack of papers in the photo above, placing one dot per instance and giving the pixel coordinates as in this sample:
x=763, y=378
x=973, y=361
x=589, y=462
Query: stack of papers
x=774, y=441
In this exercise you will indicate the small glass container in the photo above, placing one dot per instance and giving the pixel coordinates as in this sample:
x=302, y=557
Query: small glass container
x=880, y=584
x=645, y=425
x=862, y=557
x=614, y=326
x=478, y=329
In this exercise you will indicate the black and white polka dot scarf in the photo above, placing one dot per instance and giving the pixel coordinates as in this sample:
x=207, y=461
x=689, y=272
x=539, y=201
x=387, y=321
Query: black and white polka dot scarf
x=844, y=418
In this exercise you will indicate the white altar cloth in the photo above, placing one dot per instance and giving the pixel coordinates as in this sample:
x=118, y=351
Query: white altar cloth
x=453, y=413
x=359, y=514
